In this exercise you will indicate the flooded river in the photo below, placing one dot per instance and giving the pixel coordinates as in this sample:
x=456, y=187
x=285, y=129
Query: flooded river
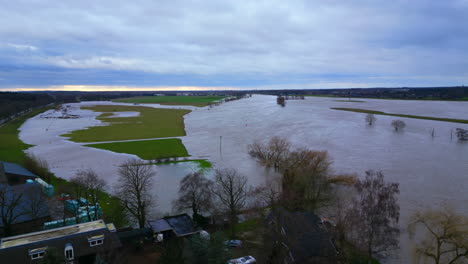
x=431, y=170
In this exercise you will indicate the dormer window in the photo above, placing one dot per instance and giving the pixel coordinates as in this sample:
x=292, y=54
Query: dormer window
x=37, y=253
x=96, y=240
x=69, y=254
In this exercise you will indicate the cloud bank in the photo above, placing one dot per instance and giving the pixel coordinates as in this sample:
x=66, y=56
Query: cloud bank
x=240, y=44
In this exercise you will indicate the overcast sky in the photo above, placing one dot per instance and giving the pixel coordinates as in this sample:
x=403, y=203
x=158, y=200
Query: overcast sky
x=233, y=44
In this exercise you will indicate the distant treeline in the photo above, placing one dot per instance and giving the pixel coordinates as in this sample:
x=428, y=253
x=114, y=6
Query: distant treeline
x=458, y=93
x=13, y=104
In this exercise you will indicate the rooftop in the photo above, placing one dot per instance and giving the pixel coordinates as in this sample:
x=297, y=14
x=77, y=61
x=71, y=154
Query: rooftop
x=13, y=168
x=50, y=234
x=182, y=225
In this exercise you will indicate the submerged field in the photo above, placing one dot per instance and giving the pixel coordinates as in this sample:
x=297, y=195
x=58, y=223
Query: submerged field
x=151, y=123
x=172, y=100
x=453, y=120
x=147, y=149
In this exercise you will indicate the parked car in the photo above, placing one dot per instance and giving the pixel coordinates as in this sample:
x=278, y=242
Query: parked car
x=243, y=260
x=233, y=243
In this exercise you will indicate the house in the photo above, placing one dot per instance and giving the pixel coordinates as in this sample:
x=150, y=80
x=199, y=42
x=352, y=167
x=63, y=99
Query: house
x=172, y=226
x=300, y=237
x=12, y=174
x=79, y=244
x=25, y=208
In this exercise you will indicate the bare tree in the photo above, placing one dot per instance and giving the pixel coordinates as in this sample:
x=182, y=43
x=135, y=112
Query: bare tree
x=370, y=119
x=445, y=236
x=194, y=193
x=375, y=214
x=271, y=154
x=398, y=124
x=462, y=134
x=232, y=190
x=37, y=202
x=268, y=195
x=10, y=207
x=133, y=189
x=88, y=184
x=306, y=175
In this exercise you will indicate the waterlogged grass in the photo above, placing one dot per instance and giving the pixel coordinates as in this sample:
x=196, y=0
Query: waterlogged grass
x=147, y=149
x=11, y=147
x=453, y=120
x=172, y=100
x=202, y=164
x=151, y=123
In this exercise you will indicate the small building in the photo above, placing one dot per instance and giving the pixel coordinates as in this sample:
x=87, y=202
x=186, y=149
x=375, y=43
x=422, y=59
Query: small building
x=300, y=237
x=172, y=226
x=79, y=244
x=12, y=174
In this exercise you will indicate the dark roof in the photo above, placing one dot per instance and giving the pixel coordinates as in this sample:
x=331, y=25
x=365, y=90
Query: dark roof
x=182, y=225
x=159, y=225
x=13, y=168
x=304, y=234
x=30, y=193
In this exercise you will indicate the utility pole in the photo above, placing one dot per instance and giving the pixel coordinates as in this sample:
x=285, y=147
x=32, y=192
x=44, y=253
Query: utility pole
x=220, y=151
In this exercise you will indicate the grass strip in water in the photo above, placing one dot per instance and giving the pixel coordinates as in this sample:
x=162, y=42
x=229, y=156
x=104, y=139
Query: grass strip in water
x=147, y=149
x=453, y=120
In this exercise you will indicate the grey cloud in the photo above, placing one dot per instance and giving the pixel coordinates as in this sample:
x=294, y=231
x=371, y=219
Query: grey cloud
x=243, y=37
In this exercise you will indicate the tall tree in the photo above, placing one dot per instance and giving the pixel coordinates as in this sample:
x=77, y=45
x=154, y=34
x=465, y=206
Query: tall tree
x=374, y=214
x=306, y=179
x=444, y=236
x=271, y=154
x=194, y=193
x=10, y=207
x=232, y=190
x=133, y=186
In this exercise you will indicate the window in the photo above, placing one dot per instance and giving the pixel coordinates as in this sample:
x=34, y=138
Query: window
x=96, y=240
x=37, y=253
x=69, y=252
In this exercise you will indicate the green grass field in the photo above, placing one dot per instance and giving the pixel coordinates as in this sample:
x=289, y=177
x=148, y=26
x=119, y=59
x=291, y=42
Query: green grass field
x=151, y=123
x=11, y=147
x=147, y=149
x=463, y=121
x=172, y=100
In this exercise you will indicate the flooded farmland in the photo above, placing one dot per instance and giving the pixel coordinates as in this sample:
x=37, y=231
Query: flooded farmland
x=431, y=170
